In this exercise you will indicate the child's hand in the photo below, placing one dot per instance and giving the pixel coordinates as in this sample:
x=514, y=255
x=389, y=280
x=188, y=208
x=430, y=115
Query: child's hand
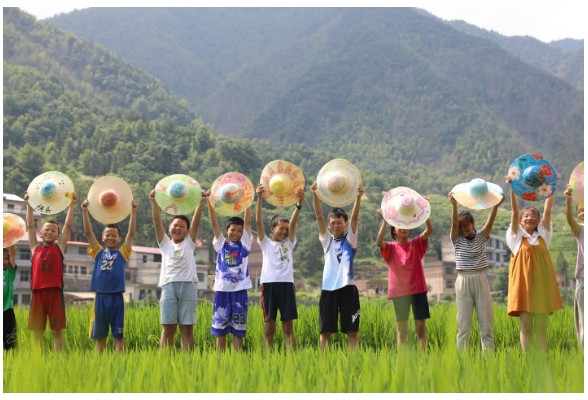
x=451, y=199
x=313, y=187
x=501, y=200
x=259, y=190
x=300, y=195
x=558, y=176
x=152, y=196
x=26, y=198
x=134, y=205
x=426, y=198
x=209, y=195
x=360, y=190
x=74, y=198
x=204, y=194
x=381, y=213
x=568, y=192
x=85, y=205
x=508, y=179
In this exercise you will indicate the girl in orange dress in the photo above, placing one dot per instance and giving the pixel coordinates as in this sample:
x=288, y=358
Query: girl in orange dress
x=533, y=293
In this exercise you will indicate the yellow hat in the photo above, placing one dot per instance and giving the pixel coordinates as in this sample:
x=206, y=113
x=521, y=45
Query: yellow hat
x=110, y=200
x=14, y=229
x=281, y=180
x=50, y=193
x=338, y=182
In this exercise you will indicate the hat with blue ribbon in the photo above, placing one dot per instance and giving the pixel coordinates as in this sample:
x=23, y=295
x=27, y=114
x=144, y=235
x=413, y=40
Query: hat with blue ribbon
x=477, y=194
x=178, y=194
x=533, y=177
x=50, y=192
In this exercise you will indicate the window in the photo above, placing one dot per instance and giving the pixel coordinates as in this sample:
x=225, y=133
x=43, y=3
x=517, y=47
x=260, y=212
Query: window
x=15, y=300
x=82, y=250
x=449, y=284
x=506, y=258
x=10, y=207
x=144, y=258
x=448, y=271
x=83, y=270
x=497, y=243
x=141, y=294
x=200, y=276
x=25, y=254
x=26, y=299
x=156, y=257
x=75, y=269
x=130, y=296
x=127, y=276
x=148, y=291
x=158, y=294
x=35, y=223
x=70, y=269
x=489, y=256
x=24, y=275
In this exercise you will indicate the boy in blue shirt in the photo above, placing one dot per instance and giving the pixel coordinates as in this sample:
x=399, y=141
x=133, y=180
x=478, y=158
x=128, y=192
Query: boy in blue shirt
x=108, y=280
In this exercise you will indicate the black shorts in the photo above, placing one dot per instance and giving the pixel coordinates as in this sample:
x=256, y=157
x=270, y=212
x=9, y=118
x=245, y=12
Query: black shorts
x=344, y=301
x=9, y=329
x=420, y=306
x=278, y=296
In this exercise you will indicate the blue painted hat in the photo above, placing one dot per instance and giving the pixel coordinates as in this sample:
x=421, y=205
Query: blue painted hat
x=533, y=177
x=477, y=194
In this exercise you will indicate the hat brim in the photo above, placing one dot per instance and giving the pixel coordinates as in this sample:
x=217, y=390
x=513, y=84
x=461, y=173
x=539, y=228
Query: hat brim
x=525, y=191
x=465, y=198
x=120, y=210
x=577, y=184
x=231, y=209
x=292, y=172
x=352, y=180
x=17, y=231
x=422, y=209
x=173, y=206
x=64, y=188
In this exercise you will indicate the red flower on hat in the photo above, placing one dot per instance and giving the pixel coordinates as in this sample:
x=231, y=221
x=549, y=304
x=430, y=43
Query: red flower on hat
x=546, y=170
x=532, y=196
x=537, y=156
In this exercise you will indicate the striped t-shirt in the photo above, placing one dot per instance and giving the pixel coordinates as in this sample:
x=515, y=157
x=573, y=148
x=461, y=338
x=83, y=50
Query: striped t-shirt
x=470, y=255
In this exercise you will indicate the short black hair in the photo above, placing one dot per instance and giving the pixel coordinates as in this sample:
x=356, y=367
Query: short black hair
x=393, y=232
x=467, y=215
x=5, y=249
x=183, y=218
x=337, y=213
x=235, y=221
x=112, y=226
x=276, y=219
x=52, y=222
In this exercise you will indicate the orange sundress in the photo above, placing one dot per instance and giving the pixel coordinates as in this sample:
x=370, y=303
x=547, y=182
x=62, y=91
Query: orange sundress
x=532, y=285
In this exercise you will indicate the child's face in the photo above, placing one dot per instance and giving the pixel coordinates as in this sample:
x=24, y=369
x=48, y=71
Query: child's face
x=49, y=233
x=111, y=238
x=529, y=220
x=280, y=231
x=234, y=233
x=6, y=259
x=581, y=213
x=466, y=228
x=337, y=226
x=178, y=230
x=402, y=233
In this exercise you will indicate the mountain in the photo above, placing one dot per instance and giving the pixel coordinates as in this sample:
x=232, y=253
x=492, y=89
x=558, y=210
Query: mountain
x=568, y=44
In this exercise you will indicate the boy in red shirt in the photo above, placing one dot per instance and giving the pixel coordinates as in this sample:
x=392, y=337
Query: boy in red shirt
x=47, y=277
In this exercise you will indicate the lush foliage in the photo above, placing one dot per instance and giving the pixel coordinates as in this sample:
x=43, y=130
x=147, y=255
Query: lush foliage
x=378, y=366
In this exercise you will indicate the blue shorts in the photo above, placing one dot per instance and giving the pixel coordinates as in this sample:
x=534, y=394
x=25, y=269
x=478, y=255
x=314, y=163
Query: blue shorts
x=178, y=302
x=108, y=309
x=230, y=313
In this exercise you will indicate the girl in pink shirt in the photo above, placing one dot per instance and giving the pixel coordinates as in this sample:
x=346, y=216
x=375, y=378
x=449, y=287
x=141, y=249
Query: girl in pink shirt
x=406, y=278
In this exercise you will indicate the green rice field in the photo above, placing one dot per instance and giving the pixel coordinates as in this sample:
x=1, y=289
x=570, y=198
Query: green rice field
x=377, y=366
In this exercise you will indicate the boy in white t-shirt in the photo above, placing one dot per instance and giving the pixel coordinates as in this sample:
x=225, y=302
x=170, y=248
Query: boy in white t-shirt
x=231, y=279
x=178, y=276
x=277, y=272
x=339, y=295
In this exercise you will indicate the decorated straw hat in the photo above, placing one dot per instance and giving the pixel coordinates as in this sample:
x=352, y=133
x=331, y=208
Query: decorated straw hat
x=14, y=229
x=231, y=194
x=110, y=200
x=577, y=184
x=178, y=194
x=281, y=180
x=477, y=194
x=533, y=177
x=338, y=181
x=51, y=192
x=404, y=208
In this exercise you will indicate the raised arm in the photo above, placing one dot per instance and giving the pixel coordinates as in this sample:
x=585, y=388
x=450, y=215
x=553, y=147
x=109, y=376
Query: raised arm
x=12, y=256
x=356, y=207
x=213, y=218
x=382, y=232
x=259, y=213
x=318, y=211
x=132, y=225
x=570, y=210
x=514, y=204
x=491, y=218
x=429, y=226
x=197, y=216
x=68, y=221
x=33, y=243
x=247, y=220
x=454, y=219
x=87, y=225
x=292, y=231
x=547, y=210
x=159, y=231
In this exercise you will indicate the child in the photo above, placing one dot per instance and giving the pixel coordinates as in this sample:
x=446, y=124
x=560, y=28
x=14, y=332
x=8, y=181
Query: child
x=9, y=317
x=471, y=286
x=231, y=279
x=108, y=280
x=47, y=277
x=578, y=232
x=277, y=272
x=178, y=275
x=532, y=286
x=339, y=294
x=406, y=278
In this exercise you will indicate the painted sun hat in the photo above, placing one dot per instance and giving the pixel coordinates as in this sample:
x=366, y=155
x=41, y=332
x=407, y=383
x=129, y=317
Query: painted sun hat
x=50, y=192
x=577, y=184
x=533, y=177
x=338, y=181
x=231, y=194
x=281, y=180
x=477, y=194
x=110, y=200
x=14, y=229
x=404, y=208
x=178, y=194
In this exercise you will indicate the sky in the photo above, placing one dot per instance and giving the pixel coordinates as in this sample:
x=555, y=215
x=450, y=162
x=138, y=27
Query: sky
x=538, y=18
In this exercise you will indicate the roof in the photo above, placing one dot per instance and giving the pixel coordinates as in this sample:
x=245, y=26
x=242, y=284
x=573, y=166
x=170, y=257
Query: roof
x=11, y=197
x=148, y=250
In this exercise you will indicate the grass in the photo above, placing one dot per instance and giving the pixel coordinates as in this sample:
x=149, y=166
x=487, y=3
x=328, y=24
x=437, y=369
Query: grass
x=378, y=366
